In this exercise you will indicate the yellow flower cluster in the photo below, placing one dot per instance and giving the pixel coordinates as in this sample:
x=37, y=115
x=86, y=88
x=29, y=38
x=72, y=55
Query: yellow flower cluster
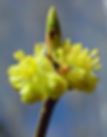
x=36, y=78
x=81, y=63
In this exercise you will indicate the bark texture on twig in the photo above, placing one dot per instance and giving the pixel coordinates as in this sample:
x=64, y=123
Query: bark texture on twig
x=45, y=116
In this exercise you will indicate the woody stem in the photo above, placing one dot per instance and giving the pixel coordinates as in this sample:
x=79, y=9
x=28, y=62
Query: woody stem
x=46, y=114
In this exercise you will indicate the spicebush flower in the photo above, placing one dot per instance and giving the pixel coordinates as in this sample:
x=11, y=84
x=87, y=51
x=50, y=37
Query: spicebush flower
x=55, y=67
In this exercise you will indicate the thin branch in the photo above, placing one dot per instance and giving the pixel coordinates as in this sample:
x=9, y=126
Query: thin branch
x=45, y=117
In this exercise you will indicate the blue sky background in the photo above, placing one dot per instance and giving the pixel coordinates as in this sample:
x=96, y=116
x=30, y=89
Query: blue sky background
x=22, y=23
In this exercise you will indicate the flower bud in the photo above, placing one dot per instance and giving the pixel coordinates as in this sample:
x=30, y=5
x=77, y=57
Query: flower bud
x=53, y=33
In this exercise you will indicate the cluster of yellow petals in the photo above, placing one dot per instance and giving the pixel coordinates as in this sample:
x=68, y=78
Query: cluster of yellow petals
x=74, y=55
x=36, y=78
x=82, y=64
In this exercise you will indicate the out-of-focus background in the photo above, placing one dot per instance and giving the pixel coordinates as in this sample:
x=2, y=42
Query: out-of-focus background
x=22, y=23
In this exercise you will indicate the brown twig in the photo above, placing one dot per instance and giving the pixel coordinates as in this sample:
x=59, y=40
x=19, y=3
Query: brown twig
x=45, y=116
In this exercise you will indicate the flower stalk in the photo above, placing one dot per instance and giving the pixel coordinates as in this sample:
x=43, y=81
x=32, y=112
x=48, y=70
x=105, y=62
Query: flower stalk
x=45, y=116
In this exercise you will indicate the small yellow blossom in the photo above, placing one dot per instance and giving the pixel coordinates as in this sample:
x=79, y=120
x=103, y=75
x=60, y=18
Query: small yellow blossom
x=19, y=55
x=82, y=63
x=75, y=55
x=36, y=79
